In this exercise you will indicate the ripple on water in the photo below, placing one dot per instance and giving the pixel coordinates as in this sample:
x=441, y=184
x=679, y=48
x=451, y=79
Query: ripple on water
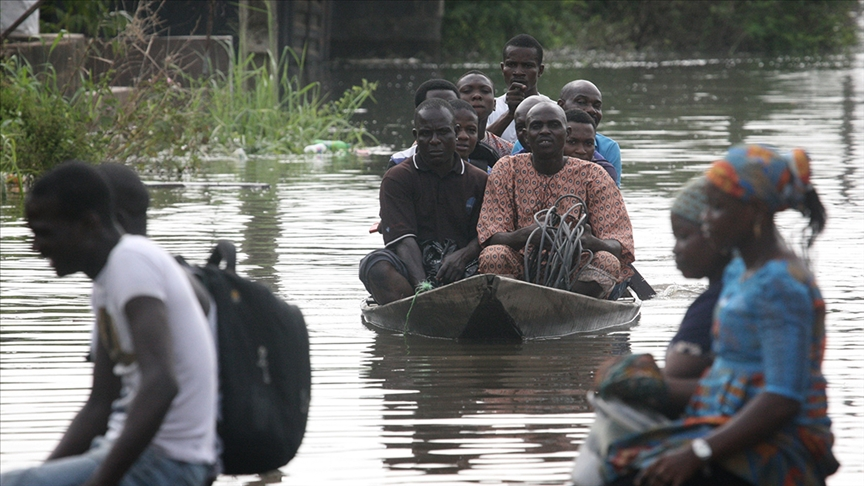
x=392, y=410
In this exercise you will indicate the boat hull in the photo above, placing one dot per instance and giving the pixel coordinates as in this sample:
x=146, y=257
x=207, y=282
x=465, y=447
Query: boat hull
x=493, y=307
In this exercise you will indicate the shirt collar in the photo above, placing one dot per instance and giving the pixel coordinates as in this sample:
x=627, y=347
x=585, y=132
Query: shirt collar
x=458, y=168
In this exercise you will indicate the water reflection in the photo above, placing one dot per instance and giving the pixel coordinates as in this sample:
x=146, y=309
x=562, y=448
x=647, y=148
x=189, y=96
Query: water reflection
x=386, y=410
x=452, y=406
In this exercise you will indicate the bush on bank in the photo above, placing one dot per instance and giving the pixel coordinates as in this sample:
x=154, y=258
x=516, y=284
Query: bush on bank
x=163, y=123
x=168, y=120
x=714, y=27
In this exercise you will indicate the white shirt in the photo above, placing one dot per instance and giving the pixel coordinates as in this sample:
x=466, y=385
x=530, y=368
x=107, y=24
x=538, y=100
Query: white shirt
x=137, y=267
x=500, y=110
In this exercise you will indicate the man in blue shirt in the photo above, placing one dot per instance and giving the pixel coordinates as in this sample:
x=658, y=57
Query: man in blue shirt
x=582, y=94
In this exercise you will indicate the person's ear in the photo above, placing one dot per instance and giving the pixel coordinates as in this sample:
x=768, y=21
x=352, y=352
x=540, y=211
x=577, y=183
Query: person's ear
x=540, y=71
x=561, y=103
x=90, y=223
x=569, y=130
x=414, y=132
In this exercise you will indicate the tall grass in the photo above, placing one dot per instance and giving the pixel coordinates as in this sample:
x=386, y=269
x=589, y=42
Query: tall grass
x=39, y=127
x=267, y=109
x=169, y=120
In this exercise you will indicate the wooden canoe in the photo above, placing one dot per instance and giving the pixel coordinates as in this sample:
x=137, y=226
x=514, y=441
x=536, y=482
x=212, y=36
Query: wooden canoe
x=493, y=307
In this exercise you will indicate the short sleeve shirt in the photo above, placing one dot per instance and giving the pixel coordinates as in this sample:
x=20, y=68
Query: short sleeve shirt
x=137, y=267
x=516, y=191
x=612, y=152
x=695, y=329
x=417, y=202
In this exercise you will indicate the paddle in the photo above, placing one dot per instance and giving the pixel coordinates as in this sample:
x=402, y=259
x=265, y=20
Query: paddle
x=639, y=285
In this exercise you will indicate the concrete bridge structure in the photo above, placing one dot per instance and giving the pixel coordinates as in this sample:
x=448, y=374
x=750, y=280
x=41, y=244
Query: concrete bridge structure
x=199, y=35
x=325, y=30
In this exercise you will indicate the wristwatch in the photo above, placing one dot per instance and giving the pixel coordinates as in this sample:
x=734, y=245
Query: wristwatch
x=701, y=449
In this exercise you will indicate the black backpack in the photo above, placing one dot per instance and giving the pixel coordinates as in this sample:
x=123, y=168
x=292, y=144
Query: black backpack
x=264, y=372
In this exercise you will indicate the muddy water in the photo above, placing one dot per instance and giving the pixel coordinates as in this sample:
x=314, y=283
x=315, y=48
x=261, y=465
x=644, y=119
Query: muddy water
x=391, y=410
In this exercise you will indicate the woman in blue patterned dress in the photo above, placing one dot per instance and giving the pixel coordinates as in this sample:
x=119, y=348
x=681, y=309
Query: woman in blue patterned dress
x=759, y=415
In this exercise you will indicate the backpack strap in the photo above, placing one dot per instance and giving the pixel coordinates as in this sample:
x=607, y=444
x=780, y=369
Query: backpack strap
x=224, y=251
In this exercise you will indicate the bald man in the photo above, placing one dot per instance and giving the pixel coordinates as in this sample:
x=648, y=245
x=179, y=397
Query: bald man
x=519, y=121
x=521, y=185
x=584, y=95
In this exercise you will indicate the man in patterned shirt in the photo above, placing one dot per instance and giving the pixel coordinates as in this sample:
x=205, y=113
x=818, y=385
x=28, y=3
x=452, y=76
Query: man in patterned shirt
x=521, y=185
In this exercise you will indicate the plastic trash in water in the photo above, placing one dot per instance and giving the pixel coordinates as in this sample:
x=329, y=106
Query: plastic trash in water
x=321, y=146
x=315, y=148
x=333, y=145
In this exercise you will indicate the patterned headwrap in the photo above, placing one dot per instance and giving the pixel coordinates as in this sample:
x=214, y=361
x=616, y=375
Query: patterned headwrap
x=691, y=200
x=760, y=172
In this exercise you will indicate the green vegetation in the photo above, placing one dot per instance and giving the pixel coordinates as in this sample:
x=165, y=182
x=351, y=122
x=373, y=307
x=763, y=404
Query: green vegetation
x=168, y=121
x=717, y=27
x=162, y=123
x=260, y=119
x=38, y=126
x=93, y=18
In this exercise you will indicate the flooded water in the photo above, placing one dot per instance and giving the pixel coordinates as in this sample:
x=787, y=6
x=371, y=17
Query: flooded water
x=391, y=410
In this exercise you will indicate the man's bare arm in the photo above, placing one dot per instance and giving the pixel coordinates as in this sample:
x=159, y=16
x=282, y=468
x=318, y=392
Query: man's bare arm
x=500, y=124
x=516, y=93
x=92, y=420
x=514, y=239
x=148, y=323
x=595, y=244
x=409, y=252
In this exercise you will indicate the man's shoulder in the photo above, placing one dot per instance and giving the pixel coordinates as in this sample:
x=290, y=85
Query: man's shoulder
x=519, y=159
x=136, y=245
x=475, y=173
x=501, y=146
x=592, y=168
x=135, y=254
x=513, y=160
x=605, y=141
x=403, y=154
x=507, y=166
x=402, y=170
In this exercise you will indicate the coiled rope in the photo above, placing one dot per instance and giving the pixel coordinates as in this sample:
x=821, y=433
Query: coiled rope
x=554, y=260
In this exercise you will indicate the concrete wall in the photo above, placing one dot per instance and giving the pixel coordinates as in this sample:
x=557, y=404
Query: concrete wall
x=305, y=27
x=67, y=55
x=326, y=29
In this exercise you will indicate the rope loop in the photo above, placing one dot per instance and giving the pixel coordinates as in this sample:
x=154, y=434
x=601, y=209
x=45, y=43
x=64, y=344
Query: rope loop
x=554, y=260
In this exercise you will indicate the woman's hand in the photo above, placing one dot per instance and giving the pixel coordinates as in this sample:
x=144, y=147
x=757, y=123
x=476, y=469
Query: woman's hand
x=673, y=468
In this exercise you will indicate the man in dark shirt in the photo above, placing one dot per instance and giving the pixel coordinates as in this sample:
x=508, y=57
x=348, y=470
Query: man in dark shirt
x=429, y=210
x=431, y=88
